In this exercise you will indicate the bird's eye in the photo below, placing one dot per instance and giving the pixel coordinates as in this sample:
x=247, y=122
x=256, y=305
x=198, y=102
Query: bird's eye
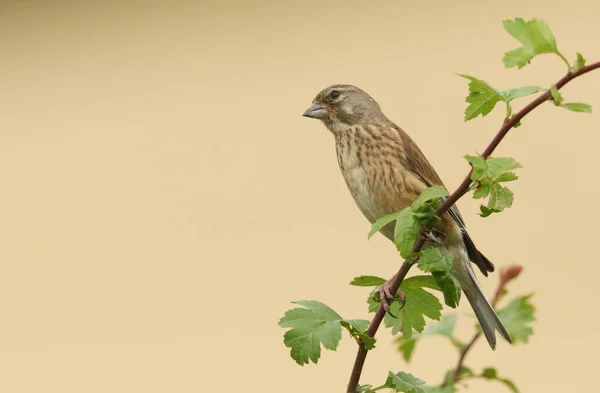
x=334, y=94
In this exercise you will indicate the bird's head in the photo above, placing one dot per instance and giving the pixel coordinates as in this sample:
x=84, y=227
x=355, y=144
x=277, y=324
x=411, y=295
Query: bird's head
x=344, y=105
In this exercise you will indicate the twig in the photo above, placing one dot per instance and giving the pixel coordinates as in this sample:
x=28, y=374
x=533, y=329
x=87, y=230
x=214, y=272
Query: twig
x=451, y=200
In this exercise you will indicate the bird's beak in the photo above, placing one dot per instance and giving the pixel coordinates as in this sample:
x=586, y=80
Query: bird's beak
x=316, y=111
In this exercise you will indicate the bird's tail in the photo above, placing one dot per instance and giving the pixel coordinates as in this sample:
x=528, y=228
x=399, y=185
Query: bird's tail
x=488, y=319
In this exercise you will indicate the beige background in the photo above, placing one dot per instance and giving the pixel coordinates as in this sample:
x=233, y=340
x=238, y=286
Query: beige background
x=163, y=199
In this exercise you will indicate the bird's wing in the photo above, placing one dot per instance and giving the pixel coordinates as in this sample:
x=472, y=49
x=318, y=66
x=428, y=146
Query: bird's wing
x=415, y=161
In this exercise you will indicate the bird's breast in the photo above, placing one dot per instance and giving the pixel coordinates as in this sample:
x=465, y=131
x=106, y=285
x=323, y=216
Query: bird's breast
x=376, y=182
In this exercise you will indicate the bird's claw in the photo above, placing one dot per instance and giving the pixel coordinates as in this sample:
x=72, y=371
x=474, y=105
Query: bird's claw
x=386, y=297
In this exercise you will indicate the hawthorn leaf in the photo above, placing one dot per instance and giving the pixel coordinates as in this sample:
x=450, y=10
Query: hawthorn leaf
x=517, y=316
x=482, y=97
x=311, y=327
x=577, y=107
x=535, y=36
x=367, y=281
x=404, y=382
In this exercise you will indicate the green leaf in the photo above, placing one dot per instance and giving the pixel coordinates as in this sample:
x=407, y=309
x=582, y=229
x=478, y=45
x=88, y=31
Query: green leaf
x=479, y=166
x=487, y=174
x=383, y=221
x=423, y=281
x=577, y=107
x=357, y=328
x=430, y=194
x=418, y=304
x=486, y=211
x=497, y=166
x=445, y=327
x=517, y=316
x=424, y=207
x=579, y=64
x=465, y=372
x=536, y=37
x=572, y=106
x=519, y=92
x=500, y=199
x=509, y=384
x=507, y=176
x=556, y=96
x=367, y=281
x=404, y=382
x=419, y=281
x=491, y=374
x=406, y=232
x=364, y=389
x=482, y=97
x=312, y=327
x=439, y=264
x=407, y=346
x=373, y=304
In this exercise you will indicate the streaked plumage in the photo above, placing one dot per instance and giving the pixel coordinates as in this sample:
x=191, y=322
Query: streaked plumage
x=385, y=172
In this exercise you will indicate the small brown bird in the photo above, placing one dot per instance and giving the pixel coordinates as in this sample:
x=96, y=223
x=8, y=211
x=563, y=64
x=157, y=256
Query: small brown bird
x=385, y=172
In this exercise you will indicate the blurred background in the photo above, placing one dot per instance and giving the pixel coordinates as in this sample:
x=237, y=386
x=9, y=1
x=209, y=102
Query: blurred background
x=163, y=200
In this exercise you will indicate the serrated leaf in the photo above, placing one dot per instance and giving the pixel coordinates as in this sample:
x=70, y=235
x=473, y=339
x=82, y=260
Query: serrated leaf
x=404, y=382
x=482, y=191
x=423, y=281
x=556, y=96
x=577, y=107
x=487, y=174
x=311, y=327
x=424, y=207
x=417, y=305
x=445, y=327
x=373, y=304
x=418, y=281
x=383, y=221
x=482, y=97
x=358, y=328
x=439, y=264
x=536, y=37
x=406, y=232
x=579, y=63
x=479, y=166
x=518, y=92
x=517, y=316
x=500, y=198
x=496, y=166
x=507, y=176
x=430, y=193
x=367, y=281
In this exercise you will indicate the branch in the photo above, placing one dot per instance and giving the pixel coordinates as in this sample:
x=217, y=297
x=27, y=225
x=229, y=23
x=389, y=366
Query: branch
x=451, y=200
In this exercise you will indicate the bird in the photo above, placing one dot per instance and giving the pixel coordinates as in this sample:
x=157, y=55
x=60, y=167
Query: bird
x=385, y=172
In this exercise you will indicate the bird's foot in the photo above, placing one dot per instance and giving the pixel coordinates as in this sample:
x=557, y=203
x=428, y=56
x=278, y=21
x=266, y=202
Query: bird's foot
x=386, y=297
